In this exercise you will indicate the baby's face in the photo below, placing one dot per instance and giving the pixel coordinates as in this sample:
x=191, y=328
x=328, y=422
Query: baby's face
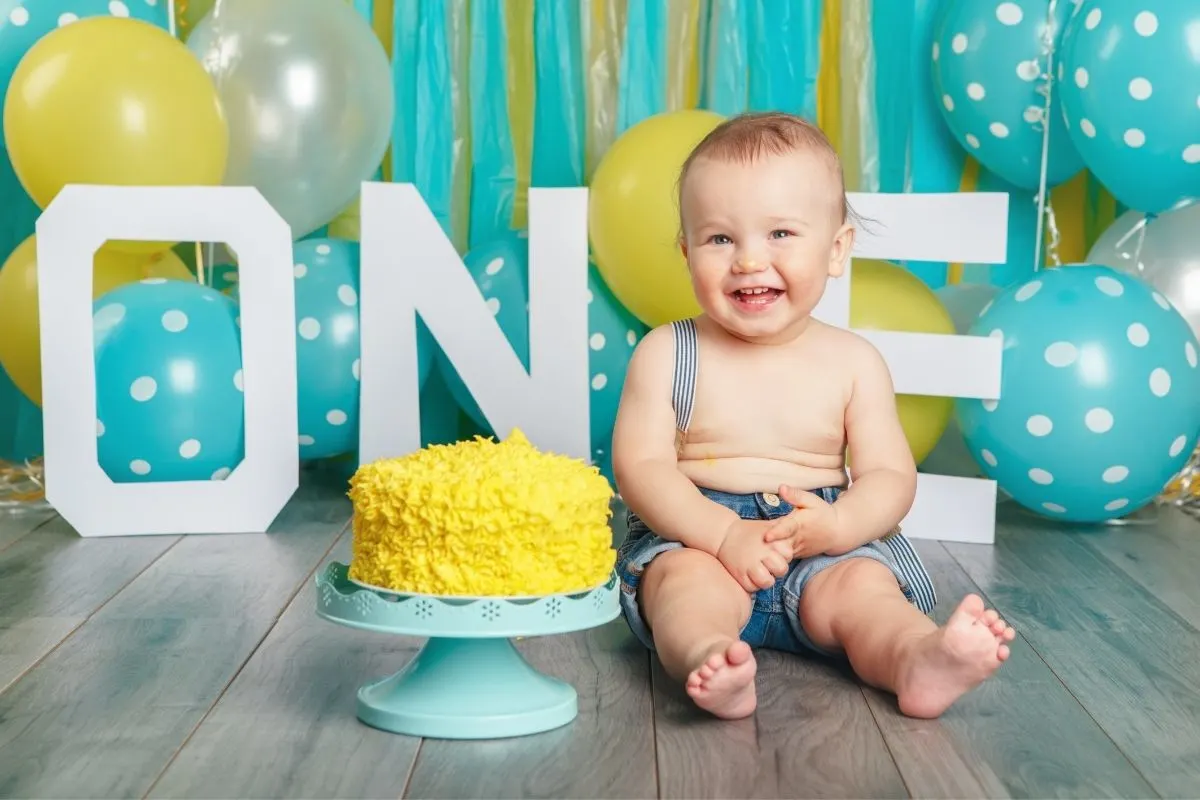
x=761, y=239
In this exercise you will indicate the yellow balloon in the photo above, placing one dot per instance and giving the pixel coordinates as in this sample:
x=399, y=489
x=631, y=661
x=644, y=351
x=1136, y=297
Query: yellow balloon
x=117, y=101
x=887, y=297
x=633, y=215
x=20, y=339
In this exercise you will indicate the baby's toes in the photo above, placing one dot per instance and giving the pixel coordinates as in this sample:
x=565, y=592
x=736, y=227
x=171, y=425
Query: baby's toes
x=1002, y=652
x=989, y=617
x=1009, y=634
x=998, y=627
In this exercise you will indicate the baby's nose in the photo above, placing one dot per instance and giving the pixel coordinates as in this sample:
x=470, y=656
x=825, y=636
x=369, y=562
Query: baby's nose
x=749, y=262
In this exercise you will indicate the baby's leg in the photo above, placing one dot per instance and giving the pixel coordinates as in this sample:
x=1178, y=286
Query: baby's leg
x=857, y=606
x=695, y=610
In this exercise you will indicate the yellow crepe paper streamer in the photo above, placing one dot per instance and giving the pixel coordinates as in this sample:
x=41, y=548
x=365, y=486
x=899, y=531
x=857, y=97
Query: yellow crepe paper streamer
x=522, y=94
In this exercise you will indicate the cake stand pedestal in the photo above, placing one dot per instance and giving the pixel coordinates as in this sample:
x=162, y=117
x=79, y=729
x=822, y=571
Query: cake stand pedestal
x=468, y=681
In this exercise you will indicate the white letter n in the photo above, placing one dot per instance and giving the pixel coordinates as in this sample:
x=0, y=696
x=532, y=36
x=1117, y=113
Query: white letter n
x=409, y=267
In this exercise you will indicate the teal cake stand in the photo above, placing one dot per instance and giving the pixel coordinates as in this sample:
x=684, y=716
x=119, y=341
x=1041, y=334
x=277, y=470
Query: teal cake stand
x=468, y=681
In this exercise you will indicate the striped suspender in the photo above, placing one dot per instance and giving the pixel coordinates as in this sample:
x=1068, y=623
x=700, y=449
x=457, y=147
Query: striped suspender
x=683, y=387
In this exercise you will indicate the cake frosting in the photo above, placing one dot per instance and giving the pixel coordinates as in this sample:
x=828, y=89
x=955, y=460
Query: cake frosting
x=481, y=518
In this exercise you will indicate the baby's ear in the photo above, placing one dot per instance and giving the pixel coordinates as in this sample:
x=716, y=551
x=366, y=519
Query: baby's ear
x=683, y=248
x=839, y=253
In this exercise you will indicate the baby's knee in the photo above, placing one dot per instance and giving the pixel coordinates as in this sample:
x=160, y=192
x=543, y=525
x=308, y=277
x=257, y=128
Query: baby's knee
x=852, y=576
x=674, y=566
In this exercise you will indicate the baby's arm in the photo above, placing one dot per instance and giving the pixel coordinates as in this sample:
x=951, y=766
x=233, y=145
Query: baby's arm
x=644, y=458
x=883, y=475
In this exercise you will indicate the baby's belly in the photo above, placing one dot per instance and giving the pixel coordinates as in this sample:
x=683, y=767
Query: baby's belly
x=747, y=474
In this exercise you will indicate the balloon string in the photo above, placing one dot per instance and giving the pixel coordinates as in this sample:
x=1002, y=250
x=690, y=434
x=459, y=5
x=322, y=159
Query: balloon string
x=1047, y=89
x=171, y=16
x=200, y=265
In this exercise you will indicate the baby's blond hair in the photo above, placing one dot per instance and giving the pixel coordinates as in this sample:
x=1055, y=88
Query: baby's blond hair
x=750, y=136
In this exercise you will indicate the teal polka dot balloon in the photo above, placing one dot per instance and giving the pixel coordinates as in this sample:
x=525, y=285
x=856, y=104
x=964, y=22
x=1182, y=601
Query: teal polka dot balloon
x=168, y=382
x=1100, y=394
x=990, y=75
x=1130, y=86
x=500, y=269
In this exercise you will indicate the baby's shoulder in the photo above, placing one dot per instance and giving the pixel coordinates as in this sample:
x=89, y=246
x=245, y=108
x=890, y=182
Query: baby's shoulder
x=844, y=344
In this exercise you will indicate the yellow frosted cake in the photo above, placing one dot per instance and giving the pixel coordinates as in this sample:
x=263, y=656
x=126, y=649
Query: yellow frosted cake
x=481, y=518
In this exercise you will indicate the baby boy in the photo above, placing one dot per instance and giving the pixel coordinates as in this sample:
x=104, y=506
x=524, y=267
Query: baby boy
x=731, y=446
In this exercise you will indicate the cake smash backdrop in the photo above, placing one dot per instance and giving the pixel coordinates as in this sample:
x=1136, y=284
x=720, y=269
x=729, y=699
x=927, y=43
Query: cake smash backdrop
x=991, y=142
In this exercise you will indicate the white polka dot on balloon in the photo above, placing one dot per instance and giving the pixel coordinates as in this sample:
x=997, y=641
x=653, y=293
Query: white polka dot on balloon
x=356, y=369
x=306, y=441
x=596, y=342
x=1115, y=474
x=972, y=140
x=238, y=381
x=998, y=129
x=1138, y=335
x=221, y=474
x=1098, y=420
x=1160, y=382
x=300, y=270
x=99, y=429
x=189, y=448
x=1081, y=78
x=975, y=91
x=336, y=417
x=1116, y=505
x=118, y=9
x=1134, y=137
x=1061, y=354
x=493, y=305
x=108, y=317
x=989, y=405
x=1189, y=352
x=143, y=389
x=1161, y=301
x=67, y=19
x=1146, y=23
x=630, y=338
x=1027, y=291
x=937, y=51
x=1028, y=70
x=1033, y=114
x=1089, y=130
x=1140, y=89
x=139, y=467
x=1110, y=286
x=1009, y=14
x=323, y=250
x=346, y=295
x=1039, y=425
x=1055, y=508
x=309, y=328
x=988, y=457
x=599, y=381
x=174, y=321
x=1191, y=154
x=959, y=43
x=19, y=16
x=1041, y=476
x=1092, y=19
x=494, y=266
x=1177, y=446
x=948, y=102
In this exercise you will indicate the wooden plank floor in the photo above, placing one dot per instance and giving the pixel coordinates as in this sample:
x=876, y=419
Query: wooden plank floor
x=196, y=667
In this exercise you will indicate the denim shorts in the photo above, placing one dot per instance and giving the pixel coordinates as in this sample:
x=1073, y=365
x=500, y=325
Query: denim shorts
x=775, y=617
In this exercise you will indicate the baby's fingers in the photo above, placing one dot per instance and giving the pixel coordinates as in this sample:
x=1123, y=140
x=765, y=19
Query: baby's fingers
x=781, y=529
x=761, y=577
x=776, y=564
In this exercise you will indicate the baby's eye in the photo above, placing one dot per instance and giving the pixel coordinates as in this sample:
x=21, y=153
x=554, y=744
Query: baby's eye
x=719, y=238
x=780, y=233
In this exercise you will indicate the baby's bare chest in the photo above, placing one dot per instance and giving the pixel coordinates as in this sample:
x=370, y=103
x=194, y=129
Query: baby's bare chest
x=794, y=402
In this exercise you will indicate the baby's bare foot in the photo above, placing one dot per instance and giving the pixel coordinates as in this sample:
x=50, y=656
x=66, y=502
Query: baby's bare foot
x=723, y=684
x=946, y=664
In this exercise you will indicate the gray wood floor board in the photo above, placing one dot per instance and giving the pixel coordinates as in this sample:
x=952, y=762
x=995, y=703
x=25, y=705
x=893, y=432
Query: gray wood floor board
x=812, y=736
x=608, y=751
x=1135, y=667
x=1021, y=734
x=103, y=714
x=286, y=726
x=16, y=524
x=1163, y=558
x=51, y=582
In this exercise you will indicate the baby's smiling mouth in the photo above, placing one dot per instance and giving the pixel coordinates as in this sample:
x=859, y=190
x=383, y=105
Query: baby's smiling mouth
x=756, y=295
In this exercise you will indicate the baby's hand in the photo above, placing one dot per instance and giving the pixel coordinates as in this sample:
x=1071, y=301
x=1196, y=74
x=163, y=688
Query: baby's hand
x=753, y=561
x=810, y=529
